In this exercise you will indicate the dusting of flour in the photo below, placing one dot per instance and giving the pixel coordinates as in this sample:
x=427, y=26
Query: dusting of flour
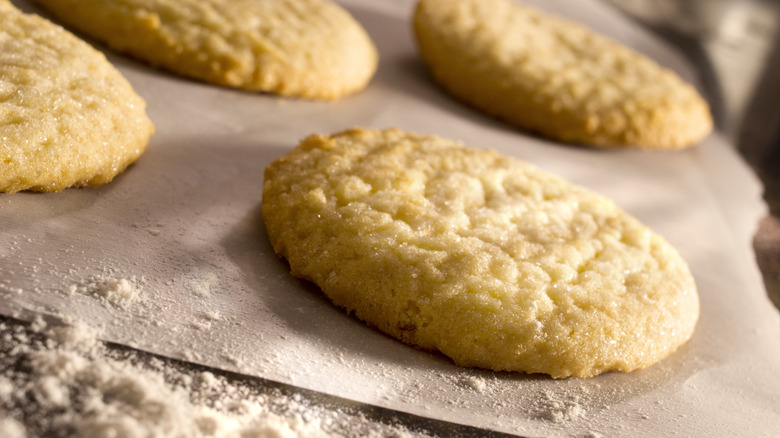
x=59, y=380
x=119, y=292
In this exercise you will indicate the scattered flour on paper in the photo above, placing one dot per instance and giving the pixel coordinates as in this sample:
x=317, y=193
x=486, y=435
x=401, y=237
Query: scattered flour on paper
x=478, y=384
x=212, y=315
x=118, y=292
x=93, y=393
x=202, y=326
x=61, y=381
x=554, y=408
x=202, y=285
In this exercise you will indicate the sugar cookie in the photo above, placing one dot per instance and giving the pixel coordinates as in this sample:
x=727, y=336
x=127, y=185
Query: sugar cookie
x=485, y=258
x=68, y=117
x=305, y=48
x=555, y=77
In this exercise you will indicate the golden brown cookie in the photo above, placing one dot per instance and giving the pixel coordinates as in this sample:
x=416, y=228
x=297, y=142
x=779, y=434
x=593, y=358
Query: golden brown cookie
x=305, y=48
x=555, y=77
x=485, y=258
x=67, y=116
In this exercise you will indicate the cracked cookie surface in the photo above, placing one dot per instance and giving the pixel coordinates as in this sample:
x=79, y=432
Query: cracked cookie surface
x=67, y=116
x=303, y=48
x=480, y=256
x=555, y=77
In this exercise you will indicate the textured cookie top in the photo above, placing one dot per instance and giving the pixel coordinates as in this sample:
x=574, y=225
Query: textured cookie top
x=485, y=258
x=308, y=48
x=556, y=77
x=67, y=117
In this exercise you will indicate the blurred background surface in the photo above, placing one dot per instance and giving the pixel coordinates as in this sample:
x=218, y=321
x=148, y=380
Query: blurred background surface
x=736, y=45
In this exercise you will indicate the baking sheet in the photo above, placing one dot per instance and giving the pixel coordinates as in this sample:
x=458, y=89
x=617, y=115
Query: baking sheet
x=182, y=228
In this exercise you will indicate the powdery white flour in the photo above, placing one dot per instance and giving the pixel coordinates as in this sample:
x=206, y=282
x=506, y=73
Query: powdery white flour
x=119, y=292
x=64, y=382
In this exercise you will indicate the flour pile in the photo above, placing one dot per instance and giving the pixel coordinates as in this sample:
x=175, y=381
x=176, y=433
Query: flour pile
x=60, y=381
x=119, y=292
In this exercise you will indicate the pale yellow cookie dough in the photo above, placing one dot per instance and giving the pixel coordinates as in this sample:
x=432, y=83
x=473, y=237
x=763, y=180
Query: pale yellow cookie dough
x=67, y=116
x=485, y=258
x=304, y=48
x=555, y=77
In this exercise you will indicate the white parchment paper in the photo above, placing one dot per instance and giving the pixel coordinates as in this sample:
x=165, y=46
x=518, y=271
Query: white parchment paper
x=183, y=226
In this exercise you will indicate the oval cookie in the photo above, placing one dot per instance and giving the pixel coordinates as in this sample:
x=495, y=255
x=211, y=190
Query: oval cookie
x=305, y=48
x=555, y=77
x=67, y=116
x=482, y=257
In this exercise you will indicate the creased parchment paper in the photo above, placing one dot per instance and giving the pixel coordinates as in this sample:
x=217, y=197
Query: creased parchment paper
x=172, y=256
